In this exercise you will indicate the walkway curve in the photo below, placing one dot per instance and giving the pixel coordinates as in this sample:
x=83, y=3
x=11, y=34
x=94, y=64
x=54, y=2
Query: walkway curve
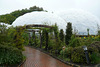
x=36, y=58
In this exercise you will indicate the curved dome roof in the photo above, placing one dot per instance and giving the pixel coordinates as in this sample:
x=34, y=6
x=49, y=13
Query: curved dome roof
x=44, y=18
x=81, y=20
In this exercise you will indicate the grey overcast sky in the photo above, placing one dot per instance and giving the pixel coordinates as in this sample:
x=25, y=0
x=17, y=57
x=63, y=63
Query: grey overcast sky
x=92, y=6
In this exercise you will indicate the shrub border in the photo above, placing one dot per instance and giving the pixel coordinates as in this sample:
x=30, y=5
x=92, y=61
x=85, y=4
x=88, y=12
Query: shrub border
x=68, y=63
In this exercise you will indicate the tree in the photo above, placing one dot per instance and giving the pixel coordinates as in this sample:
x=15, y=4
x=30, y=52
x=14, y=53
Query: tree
x=98, y=32
x=9, y=18
x=58, y=45
x=68, y=33
x=61, y=35
x=47, y=37
x=98, y=27
x=88, y=31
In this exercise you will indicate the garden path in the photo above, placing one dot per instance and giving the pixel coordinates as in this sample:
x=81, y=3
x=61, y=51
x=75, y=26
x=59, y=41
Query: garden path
x=36, y=58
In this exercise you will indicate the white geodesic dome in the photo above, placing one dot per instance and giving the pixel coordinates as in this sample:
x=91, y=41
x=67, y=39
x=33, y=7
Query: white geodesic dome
x=81, y=20
x=43, y=18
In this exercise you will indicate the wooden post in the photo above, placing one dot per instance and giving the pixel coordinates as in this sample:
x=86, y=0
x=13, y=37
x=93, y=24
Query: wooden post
x=46, y=48
x=40, y=40
x=29, y=38
x=34, y=38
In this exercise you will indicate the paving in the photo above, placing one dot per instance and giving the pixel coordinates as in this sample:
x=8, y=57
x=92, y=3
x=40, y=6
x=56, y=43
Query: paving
x=36, y=58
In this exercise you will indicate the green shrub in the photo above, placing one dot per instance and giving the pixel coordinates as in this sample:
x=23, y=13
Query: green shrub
x=92, y=49
x=67, y=52
x=74, y=42
x=68, y=33
x=96, y=44
x=26, y=38
x=95, y=58
x=78, y=55
x=97, y=38
x=10, y=55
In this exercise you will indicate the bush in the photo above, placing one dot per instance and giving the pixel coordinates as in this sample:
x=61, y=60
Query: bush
x=96, y=44
x=95, y=58
x=67, y=52
x=74, y=42
x=78, y=55
x=10, y=55
x=92, y=49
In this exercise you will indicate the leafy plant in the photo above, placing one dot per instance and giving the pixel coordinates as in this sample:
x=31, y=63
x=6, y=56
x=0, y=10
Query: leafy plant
x=95, y=58
x=74, y=42
x=10, y=55
x=68, y=33
x=78, y=55
x=61, y=35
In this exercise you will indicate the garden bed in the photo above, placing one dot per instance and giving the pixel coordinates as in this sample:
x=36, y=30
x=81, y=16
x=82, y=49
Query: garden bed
x=68, y=63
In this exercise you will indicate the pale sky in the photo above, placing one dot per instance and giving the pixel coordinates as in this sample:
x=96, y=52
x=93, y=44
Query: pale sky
x=92, y=6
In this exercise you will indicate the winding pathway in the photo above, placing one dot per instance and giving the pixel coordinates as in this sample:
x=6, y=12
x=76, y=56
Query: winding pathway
x=36, y=58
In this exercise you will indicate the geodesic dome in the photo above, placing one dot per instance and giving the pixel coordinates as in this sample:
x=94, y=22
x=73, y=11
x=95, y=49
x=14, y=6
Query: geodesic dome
x=43, y=18
x=81, y=20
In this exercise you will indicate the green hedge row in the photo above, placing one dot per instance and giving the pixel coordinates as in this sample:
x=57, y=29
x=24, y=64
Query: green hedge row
x=77, y=54
x=10, y=55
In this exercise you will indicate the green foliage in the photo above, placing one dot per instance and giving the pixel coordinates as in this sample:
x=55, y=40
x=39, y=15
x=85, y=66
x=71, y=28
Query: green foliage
x=74, y=42
x=57, y=45
x=3, y=34
x=10, y=35
x=64, y=52
x=43, y=38
x=95, y=58
x=25, y=36
x=9, y=18
x=78, y=55
x=35, y=8
x=68, y=33
x=88, y=31
x=98, y=32
x=10, y=55
x=97, y=38
x=56, y=32
x=95, y=45
x=18, y=39
x=88, y=40
x=61, y=35
x=69, y=52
